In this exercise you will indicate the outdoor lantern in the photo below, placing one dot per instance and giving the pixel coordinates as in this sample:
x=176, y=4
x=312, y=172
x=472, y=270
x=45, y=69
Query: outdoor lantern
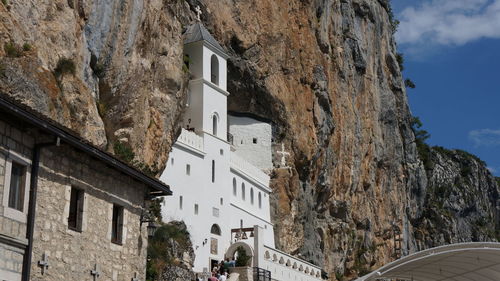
x=152, y=226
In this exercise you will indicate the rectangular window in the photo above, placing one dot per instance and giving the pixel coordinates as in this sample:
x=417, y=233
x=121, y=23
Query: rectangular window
x=117, y=225
x=213, y=170
x=188, y=169
x=180, y=202
x=195, y=209
x=17, y=184
x=75, y=209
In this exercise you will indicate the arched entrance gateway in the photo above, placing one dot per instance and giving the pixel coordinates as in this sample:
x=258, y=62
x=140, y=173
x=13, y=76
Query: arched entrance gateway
x=476, y=261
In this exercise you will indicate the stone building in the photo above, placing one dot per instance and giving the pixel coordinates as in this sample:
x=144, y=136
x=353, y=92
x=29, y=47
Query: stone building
x=68, y=210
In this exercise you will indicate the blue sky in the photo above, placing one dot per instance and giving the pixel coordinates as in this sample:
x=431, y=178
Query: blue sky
x=452, y=53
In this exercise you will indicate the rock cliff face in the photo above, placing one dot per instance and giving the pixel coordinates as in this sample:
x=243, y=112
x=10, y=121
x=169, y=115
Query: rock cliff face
x=110, y=70
x=324, y=71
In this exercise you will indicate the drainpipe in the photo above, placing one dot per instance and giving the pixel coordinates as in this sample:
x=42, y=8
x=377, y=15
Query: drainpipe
x=32, y=206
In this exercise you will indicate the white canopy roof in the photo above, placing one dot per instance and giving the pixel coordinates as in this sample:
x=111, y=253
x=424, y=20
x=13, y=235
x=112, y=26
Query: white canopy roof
x=456, y=262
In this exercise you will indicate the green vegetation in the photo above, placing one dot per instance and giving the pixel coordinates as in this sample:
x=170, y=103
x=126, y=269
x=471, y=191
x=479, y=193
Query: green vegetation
x=339, y=276
x=65, y=66
x=27, y=47
x=123, y=152
x=12, y=50
x=242, y=259
x=155, y=209
x=394, y=22
x=159, y=248
x=127, y=155
x=409, y=83
x=401, y=60
x=423, y=148
x=4, y=2
x=498, y=180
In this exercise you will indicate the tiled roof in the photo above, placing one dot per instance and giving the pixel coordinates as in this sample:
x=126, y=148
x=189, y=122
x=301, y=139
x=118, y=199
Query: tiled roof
x=197, y=32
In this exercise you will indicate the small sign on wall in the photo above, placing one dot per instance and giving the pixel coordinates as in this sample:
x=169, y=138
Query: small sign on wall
x=213, y=246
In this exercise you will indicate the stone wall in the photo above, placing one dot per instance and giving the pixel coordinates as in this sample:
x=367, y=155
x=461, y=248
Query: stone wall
x=16, y=145
x=246, y=273
x=72, y=254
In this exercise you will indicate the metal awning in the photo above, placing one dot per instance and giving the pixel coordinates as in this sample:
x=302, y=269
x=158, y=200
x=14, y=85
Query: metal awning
x=476, y=261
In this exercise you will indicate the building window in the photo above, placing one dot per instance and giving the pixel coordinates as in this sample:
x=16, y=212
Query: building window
x=17, y=185
x=254, y=140
x=214, y=70
x=215, y=229
x=172, y=161
x=195, y=209
x=251, y=196
x=243, y=191
x=221, y=201
x=213, y=170
x=222, y=152
x=214, y=125
x=76, y=209
x=188, y=169
x=260, y=200
x=180, y=202
x=234, y=187
x=117, y=224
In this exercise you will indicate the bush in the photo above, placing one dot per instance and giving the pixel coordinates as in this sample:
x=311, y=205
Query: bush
x=159, y=248
x=27, y=47
x=123, y=152
x=4, y=2
x=11, y=50
x=498, y=181
x=65, y=66
x=401, y=61
x=409, y=84
x=243, y=259
x=424, y=151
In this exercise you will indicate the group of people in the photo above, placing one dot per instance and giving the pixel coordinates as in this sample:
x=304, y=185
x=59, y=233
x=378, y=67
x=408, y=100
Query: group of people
x=220, y=272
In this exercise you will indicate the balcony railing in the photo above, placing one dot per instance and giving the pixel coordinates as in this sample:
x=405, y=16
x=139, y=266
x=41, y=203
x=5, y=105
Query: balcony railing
x=243, y=166
x=260, y=274
x=191, y=139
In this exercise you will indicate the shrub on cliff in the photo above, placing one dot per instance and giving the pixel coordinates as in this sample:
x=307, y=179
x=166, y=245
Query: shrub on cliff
x=65, y=66
x=166, y=248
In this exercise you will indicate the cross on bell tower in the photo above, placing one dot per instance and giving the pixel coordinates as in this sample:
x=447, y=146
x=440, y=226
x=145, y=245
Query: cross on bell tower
x=198, y=13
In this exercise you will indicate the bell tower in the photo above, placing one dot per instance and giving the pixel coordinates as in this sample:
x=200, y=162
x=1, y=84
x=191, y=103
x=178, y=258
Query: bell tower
x=206, y=61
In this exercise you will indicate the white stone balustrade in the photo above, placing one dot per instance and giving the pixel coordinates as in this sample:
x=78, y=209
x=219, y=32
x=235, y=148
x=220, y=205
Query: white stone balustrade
x=248, y=169
x=191, y=139
x=286, y=267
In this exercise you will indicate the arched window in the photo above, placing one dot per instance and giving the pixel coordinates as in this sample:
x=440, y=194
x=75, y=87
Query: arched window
x=214, y=125
x=214, y=70
x=243, y=191
x=234, y=187
x=213, y=170
x=251, y=195
x=260, y=200
x=215, y=229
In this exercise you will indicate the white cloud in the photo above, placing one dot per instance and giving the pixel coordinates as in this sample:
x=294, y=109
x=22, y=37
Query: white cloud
x=449, y=22
x=485, y=137
x=492, y=170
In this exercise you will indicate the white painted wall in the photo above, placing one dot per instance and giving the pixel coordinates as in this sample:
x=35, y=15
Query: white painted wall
x=244, y=130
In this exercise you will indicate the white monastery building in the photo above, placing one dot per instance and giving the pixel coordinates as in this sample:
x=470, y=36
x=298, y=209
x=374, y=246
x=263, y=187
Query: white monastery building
x=218, y=171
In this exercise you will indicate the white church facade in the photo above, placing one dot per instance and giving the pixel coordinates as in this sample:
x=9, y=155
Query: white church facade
x=218, y=170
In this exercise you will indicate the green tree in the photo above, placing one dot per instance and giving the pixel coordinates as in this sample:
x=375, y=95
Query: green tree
x=243, y=259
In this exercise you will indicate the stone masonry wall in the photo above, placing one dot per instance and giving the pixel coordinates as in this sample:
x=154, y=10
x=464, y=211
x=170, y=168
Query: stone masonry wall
x=12, y=227
x=72, y=255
